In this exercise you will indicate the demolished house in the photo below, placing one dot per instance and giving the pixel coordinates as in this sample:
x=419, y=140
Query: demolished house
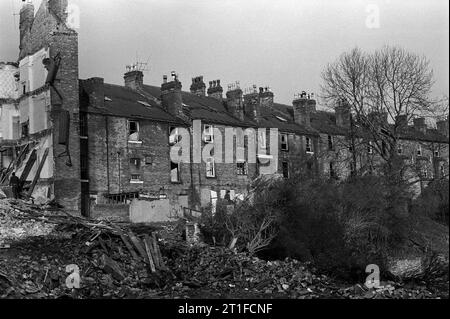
x=103, y=150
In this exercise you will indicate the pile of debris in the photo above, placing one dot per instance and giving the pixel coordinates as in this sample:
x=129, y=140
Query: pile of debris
x=52, y=254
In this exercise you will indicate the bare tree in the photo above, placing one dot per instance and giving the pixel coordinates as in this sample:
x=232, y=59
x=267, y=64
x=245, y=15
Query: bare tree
x=384, y=90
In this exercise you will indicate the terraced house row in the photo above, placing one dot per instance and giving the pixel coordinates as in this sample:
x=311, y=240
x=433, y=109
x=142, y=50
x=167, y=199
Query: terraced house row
x=104, y=149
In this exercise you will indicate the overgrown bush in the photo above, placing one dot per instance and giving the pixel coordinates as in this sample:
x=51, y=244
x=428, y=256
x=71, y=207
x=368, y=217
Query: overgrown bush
x=433, y=202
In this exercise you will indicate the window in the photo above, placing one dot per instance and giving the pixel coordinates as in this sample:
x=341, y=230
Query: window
x=285, y=169
x=135, y=162
x=210, y=167
x=437, y=153
x=175, y=176
x=208, y=134
x=419, y=150
x=331, y=170
x=330, y=142
x=242, y=168
x=424, y=172
x=399, y=149
x=136, y=179
x=370, y=148
x=284, y=142
x=262, y=140
x=174, y=136
x=25, y=129
x=133, y=131
x=309, y=147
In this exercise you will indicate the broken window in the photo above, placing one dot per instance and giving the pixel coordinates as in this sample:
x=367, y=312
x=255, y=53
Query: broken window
x=309, y=147
x=242, y=168
x=208, y=134
x=210, y=167
x=133, y=131
x=285, y=169
x=135, y=162
x=174, y=136
x=284, y=142
x=175, y=176
x=330, y=142
x=25, y=129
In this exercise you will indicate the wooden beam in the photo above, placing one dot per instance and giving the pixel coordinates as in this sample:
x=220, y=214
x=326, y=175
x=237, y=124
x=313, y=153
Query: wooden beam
x=38, y=172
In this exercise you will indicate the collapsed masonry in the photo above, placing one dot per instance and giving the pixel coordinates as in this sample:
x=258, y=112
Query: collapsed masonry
x=103, y=149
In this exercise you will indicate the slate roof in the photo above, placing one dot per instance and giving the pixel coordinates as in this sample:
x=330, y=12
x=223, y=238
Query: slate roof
x=124, y=102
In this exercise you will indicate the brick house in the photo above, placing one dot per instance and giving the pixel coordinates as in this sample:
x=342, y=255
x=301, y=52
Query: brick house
x=95, y=146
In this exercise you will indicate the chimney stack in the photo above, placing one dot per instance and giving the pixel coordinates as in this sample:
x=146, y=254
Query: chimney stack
x=401, y=121
x=198, y=87
x=343, y=112
x=234, y=101
x=265, y=97
x=252, y=104
x=303, y=106
x=442, y=127
x=420, y=125
x=134, y=79
x=215, y=90
x=171, y=97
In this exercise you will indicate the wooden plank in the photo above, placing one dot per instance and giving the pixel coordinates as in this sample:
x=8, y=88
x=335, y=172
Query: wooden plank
x=149, y=253
x=28, y=167
x=129, y=247
x=137, y=243
x=13, y=164
x=38, y=172
x=158, y=252
x=154, y=253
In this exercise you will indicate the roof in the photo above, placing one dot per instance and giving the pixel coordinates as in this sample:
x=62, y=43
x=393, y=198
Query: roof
x=124, y=102
x=275, y=117
x=204, y=108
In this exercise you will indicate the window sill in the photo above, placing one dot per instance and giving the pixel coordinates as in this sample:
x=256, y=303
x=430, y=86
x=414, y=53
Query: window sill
x=136, y=182
x=83, y=137
x=135, y=142
x=176, y=182
x=309, y=153
x=211, y=177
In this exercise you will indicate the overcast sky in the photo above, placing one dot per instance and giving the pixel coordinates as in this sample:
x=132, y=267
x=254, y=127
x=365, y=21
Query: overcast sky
x=283, y=44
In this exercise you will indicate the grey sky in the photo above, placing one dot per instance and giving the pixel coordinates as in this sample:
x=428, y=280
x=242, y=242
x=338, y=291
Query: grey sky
x=283, y=44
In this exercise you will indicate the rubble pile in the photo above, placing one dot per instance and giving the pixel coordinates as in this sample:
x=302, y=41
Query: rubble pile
x=54, y=255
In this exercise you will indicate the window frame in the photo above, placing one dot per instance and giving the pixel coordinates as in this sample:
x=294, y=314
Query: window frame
x=178, y=172
x=211, y=172
x=242, y=171
x=309, y=146
x=138, y=131
x=330, y=140
x=208, y=135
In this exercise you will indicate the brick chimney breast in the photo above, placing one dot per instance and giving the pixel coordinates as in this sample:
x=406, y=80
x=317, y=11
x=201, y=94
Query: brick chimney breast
x=26, y=18
x=302, y=114
x=234, y=103
x=266, y=97
x=420, y=125
x=58, y=8
x=342, y=111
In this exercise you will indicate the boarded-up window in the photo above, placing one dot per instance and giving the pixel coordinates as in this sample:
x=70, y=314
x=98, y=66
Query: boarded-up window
x=64, y=126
